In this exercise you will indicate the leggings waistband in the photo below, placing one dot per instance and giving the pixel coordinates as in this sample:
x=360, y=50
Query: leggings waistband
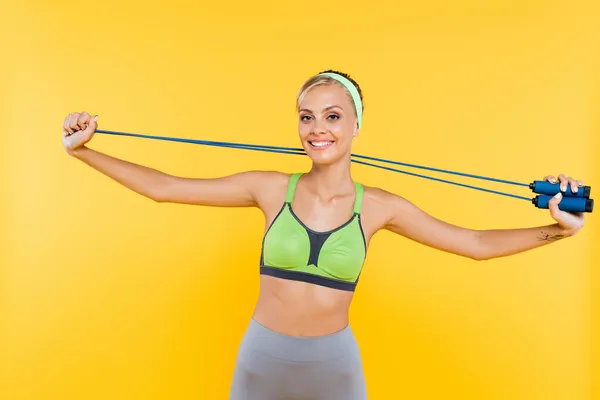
x=298, y=348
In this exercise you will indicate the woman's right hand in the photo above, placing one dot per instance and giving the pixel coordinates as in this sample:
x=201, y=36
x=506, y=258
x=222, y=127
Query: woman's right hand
x=78, y=129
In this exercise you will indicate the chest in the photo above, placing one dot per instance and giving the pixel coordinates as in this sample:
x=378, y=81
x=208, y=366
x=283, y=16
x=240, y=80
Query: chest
x=322, y=216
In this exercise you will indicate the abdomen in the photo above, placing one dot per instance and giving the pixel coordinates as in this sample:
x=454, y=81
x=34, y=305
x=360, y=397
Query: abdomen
x=301, y=309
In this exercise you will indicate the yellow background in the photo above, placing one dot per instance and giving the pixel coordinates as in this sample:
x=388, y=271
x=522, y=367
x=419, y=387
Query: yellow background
x=107, y=295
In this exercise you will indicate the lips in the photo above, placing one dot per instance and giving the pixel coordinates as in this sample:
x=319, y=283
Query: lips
x=321, y=144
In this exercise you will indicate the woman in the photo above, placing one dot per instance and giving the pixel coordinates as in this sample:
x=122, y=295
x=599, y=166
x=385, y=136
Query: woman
x=299, y=343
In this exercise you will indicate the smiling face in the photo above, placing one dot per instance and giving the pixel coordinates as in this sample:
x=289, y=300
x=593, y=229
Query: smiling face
x=327, y=123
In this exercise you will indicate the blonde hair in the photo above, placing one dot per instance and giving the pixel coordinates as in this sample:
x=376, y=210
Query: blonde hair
x=318, y=80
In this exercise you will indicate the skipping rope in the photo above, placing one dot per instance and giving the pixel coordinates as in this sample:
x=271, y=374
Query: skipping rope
x=579, y=201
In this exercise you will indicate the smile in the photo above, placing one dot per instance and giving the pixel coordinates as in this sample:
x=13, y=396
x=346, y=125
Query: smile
x=321, y=145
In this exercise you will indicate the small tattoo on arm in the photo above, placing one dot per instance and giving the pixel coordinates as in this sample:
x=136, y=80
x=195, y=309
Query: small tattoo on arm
x=549, y=237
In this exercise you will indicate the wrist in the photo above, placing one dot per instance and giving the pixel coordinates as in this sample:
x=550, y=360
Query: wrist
x=567, y=232
x=76, y=152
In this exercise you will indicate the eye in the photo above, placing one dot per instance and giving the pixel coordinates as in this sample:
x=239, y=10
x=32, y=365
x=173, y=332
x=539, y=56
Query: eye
x=334, y=116
x=305, y=117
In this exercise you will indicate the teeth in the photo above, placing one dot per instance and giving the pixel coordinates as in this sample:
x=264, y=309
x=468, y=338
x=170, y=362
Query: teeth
x=320, y=144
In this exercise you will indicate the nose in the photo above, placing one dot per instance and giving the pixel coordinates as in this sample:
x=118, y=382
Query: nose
x=319, y=127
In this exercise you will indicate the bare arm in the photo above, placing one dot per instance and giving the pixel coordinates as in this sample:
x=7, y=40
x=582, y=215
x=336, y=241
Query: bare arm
x=504, y=242
x=407, y=219
x=238, y=190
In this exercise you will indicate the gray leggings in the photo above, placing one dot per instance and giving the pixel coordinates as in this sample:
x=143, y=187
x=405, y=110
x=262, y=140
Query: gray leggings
x=274, y=366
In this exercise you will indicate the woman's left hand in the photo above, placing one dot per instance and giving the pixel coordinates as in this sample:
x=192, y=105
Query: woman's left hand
x=569, y=222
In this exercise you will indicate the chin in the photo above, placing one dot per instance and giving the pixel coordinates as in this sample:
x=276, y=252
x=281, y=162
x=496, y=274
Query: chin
x=323, y=160
x=324, y=157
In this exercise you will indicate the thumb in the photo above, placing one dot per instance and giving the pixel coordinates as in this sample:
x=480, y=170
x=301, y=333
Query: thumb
x=554, y=202
x=92, y=126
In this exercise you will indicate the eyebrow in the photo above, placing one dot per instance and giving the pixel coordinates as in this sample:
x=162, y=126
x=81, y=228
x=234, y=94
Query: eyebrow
x=326, y=109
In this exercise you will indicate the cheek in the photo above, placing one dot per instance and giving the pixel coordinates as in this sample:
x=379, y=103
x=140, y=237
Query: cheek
x=342, y=131
x=304, y=129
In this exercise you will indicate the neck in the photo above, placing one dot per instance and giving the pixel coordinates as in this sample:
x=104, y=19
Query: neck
x=331, y=180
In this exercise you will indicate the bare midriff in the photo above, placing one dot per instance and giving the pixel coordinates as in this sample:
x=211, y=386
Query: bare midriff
x=301, y=309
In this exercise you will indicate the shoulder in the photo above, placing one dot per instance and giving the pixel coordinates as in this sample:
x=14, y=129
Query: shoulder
x=267, y=177
x=268, y=187
x=378, y=197
x=383, y=207
x=260, y=180
x=260, y=177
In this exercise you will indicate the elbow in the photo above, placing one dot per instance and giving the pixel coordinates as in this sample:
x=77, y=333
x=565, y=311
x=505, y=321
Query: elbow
x=478, y=250
x=478, y=256
x=158, y=197
x=160, y=192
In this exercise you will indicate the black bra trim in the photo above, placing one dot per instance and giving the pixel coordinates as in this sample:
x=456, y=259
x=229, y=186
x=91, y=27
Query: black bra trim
x=309, y=278
x=329, y=232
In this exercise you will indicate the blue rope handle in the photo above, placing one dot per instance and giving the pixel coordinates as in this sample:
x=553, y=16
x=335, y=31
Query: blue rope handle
x=300, y=151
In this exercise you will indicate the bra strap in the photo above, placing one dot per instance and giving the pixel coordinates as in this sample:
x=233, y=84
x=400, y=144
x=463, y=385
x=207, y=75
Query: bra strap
x=292, y=187
x=359, y=196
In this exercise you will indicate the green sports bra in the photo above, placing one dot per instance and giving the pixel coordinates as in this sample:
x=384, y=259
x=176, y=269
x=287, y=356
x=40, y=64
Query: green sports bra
x=291, y=250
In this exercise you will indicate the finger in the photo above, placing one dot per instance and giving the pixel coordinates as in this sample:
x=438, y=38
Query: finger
x=564, y=182
x=573, y=184
x=550, y=178
x=73, y=122
x=66, y=126
x=580, y=183
x=83, y=120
